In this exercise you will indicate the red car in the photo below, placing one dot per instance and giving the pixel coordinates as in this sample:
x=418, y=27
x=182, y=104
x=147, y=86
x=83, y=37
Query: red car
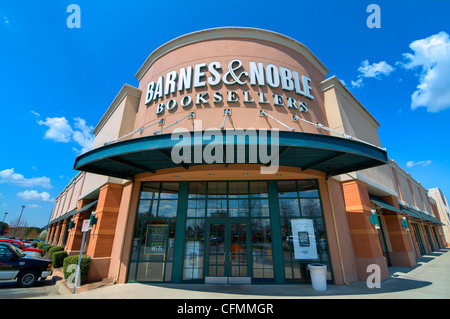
x=18, y=244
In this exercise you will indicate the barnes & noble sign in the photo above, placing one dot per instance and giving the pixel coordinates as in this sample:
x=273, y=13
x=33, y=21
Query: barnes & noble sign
x=258, y=74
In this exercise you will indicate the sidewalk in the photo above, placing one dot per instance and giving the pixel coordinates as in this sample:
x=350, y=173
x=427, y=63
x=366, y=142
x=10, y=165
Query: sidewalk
x=429, y=279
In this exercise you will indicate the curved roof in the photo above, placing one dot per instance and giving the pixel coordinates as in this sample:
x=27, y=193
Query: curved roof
x=329, y=154
x=231, y=32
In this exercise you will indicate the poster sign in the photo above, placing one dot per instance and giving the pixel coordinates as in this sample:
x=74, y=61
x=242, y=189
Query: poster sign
x=304, y=239
x=156, y=239
x=85, y=226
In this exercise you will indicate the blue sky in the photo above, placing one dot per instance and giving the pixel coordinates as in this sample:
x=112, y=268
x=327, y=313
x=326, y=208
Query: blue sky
x=56, y=82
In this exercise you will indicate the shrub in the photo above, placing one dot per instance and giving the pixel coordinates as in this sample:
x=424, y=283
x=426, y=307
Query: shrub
x=58, y=258
x=45, y=249
x=54, y=249
x=34, y=244
x=85, y=265
x=41, y=244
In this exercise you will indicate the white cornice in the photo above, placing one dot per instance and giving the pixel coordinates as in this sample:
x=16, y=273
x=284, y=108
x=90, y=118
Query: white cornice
x=230, y=32
x=334, y=82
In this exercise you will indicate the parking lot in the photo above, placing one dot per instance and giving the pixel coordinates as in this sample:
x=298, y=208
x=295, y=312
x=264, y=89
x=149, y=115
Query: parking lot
x=47, y=288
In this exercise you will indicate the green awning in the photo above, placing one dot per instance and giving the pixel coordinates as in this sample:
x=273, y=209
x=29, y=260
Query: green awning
x=330, y=154
x=86, y=207
x=73, y=212
x=419, y=215
x=62, y=217
x=384, y=204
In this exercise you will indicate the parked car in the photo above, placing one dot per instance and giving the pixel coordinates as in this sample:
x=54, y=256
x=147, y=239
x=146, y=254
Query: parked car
x=26, y=269
x=25, y=242
x=26, y=250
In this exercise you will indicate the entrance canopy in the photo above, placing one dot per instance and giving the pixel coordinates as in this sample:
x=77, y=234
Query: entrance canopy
x=329, y=154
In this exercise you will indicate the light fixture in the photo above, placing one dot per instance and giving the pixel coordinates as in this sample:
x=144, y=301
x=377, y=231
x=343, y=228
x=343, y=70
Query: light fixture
x=211, y=174
x=245, y=174
x=404, y=223
x=374, y=219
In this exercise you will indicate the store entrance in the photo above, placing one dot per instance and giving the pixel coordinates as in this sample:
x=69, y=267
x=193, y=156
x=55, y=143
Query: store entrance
x=228, y=253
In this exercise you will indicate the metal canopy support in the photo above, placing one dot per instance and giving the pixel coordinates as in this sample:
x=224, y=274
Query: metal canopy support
x=322, y=161
x=132, y=164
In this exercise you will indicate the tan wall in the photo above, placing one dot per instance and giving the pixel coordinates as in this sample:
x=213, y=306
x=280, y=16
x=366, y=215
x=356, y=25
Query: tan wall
x=119, y=119
x=346, y=114
x=244, y=115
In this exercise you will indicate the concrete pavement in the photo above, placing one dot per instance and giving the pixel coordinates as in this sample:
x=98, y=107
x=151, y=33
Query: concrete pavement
x=429, y=279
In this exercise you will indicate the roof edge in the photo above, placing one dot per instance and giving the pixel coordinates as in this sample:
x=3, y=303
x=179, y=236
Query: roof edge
x=230, y=32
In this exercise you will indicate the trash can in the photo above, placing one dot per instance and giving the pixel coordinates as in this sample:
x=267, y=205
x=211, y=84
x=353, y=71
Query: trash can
x=318, y=274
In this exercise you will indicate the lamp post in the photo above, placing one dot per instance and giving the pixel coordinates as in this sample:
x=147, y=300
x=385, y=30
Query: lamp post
x=18, y=222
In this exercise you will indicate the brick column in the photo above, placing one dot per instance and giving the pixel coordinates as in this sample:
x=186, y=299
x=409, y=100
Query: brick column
x=73, y=244
x=49, y=233
x=64, y=226
x=401, y=254
x=102, y=234
x=364, y=236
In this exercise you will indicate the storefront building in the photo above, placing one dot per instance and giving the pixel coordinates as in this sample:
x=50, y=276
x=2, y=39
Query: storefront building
x=237, y=161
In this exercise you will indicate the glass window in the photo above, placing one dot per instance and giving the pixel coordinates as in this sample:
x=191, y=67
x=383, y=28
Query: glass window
x=259, y=190
x=259, y=208
x=193, y=249
x=307, y=188
x=238, y=189
x=289, y=207
x=216, y=208
x=167, y=208
x=310, y=207
x=150, y=191
x=238, y=207
x=304, y=205
x=154, y=235
x=217, y=189
x=196, y=208
x=287, y=189
x=262, y=250
x=197, y=189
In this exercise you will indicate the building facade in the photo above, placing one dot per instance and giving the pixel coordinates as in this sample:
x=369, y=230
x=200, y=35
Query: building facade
x=236, y=160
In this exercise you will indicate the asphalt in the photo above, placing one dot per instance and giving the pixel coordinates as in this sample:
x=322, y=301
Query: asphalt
x=429, y=279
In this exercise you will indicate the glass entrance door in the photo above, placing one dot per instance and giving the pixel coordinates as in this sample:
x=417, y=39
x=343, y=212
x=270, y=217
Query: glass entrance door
x=227, y=252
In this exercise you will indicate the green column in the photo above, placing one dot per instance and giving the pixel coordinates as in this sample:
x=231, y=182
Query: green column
x=180, y=230
x=277, y=245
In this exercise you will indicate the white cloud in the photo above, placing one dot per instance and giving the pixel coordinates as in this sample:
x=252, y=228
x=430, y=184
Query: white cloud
x=35, y=113
x=421, y=163
x=33, y=195
x=83, y=135
x=374, y=70
x=357, y=83
x=9, y=176
x=59, y=130
x=432, y=56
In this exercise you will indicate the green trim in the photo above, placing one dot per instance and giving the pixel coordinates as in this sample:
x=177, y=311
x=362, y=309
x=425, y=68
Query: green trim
x=330, y=154
x=384, y=204
x=277, y=245
x=180, y=233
